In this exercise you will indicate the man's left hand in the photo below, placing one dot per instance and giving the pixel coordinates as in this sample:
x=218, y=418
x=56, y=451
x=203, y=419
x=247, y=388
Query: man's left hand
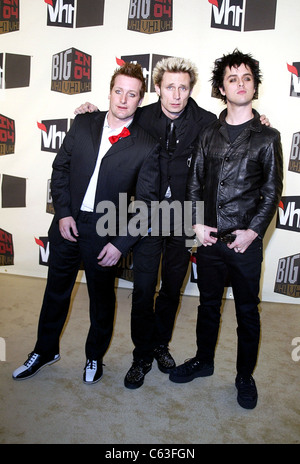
x=109, y=255
x=243, y=240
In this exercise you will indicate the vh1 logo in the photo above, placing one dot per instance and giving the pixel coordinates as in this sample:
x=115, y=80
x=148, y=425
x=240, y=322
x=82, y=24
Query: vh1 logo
x=71, y=72
x=150, y=16
x=7, y=135
x=6, y=248
x=295, y=81
x=61, y=13
x=294, y=163
x=53, y=133
x=9, y=16
x=247, y=15
x=289, y=214
x=43, y=244
x=288, y=276
x=148, y=62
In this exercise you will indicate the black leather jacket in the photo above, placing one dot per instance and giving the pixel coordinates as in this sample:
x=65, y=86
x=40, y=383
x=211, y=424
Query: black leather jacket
x=240, y=182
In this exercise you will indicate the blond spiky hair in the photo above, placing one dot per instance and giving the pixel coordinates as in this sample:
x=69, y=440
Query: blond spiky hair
x=174, y=65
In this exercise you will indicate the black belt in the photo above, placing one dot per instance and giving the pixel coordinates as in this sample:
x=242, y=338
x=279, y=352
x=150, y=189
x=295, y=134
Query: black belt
x=226, y=238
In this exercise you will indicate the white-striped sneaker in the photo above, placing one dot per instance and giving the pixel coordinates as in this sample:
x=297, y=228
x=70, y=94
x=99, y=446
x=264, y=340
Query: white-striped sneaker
x=93, y=371
x=33, y=365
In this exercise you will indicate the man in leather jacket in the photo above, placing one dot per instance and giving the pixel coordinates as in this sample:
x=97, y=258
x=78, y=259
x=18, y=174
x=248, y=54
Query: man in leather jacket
x=237, y=172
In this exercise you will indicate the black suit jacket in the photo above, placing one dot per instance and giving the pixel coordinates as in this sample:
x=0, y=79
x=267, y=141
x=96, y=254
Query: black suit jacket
x=174, y=169
x=130, y=166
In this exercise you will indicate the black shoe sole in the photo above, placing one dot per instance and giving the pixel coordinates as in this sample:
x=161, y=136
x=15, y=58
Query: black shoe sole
x=38, y=370
x=247, y=404
x=180, y=379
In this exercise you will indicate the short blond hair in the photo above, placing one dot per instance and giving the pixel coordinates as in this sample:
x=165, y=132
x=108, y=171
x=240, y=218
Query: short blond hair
x=174, y=65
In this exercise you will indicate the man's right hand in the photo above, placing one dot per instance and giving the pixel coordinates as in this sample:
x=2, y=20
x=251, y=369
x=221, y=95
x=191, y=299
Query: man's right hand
x=86, y=108
x=203, y=234
x=68, y=228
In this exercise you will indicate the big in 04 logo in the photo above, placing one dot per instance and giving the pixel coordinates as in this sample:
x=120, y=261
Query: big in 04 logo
x=62, y=13
x=150, y=16
x=288, y=276
x=294, y=162
x=243, y=15
x=6, y=248
x=71, y=72
x=7, y=135
x=9, y=16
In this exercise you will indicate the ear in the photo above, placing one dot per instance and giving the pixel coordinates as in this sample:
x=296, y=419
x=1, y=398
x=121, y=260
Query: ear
x=222, y=91
x=157, y=90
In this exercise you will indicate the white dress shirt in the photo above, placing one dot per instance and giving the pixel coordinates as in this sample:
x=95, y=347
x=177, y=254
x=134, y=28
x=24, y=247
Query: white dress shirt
x=105, y=144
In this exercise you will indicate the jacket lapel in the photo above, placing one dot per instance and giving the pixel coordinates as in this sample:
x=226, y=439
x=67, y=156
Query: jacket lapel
x=96, y=130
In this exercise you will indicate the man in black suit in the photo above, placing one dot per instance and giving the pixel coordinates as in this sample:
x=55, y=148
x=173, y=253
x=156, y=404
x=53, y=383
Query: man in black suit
x=103, y=156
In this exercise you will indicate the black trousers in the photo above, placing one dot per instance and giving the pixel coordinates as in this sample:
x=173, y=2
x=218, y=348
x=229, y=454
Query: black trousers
x=214, y=265
x=152, y=325
x=64, y=262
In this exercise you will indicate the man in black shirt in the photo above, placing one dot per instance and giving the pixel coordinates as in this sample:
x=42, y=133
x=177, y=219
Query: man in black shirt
x=237, y=172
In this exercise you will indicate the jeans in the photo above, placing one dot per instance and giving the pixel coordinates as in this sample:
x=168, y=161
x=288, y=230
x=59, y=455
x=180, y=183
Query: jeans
x=215, y=264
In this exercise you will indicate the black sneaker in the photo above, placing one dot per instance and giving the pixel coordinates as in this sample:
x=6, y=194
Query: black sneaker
x=32, y=365
x=93, y=371
x=247, y=392
x=191, y=369
x=136, y=374
x=164, y=360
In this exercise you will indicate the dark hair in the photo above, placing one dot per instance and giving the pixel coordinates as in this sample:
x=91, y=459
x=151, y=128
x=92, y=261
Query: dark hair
x=234, y=60
x=130, y=70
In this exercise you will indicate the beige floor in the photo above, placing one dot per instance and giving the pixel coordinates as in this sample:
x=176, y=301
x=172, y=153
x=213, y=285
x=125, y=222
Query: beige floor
x=55, y=407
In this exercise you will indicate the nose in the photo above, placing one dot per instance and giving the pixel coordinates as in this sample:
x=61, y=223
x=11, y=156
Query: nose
x=123, y=97
x=176, y=94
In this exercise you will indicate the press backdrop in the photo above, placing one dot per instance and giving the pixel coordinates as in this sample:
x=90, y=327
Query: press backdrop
x=57, y=54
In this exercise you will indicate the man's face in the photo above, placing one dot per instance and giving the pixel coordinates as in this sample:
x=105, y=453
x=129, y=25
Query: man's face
x=238, y=85
x=174, y=93
x=124, y=99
